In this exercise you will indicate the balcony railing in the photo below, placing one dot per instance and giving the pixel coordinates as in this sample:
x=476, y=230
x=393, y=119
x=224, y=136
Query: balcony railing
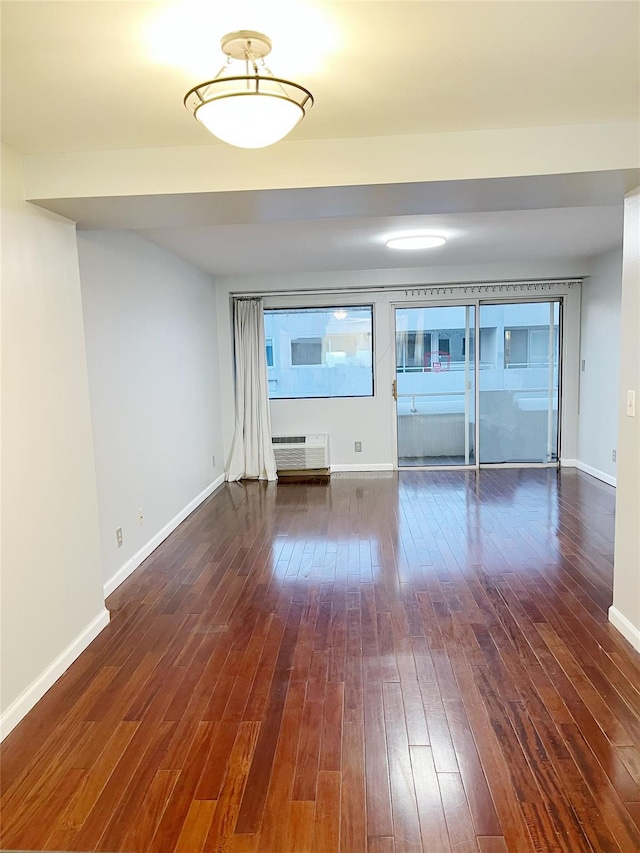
x=444, y=397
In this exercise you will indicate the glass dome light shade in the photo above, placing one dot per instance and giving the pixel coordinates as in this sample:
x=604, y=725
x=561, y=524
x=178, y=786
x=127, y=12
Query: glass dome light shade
x=249, y=119
x=243, y=109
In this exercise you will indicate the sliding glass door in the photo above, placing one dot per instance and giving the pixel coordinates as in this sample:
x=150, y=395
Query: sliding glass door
x=519, y=382
x=510, y=378
x=435, y=386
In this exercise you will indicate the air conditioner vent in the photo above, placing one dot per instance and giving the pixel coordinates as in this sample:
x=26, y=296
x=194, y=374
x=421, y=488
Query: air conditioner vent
x=301, y=452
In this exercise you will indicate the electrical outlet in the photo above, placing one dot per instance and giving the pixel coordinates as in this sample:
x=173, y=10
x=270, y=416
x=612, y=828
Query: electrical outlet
x=140, y=516
x=583, y=364
x=119, y=536
x=631, y=404
x=613, y=456
x=358, y=446
x=213, y=459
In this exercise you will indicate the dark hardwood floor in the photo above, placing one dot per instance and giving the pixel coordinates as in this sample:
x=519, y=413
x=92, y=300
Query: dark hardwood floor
x=402, y=662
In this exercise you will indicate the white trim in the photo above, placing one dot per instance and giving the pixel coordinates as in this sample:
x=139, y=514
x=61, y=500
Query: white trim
x=626, y=628
x=21, y=706
x=371, y=466
x=141, y=555
x=568, y=463
x=595, y=472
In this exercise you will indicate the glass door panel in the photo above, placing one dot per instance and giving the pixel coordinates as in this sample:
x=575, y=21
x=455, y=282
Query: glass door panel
x=518, y=382
x=435, y=386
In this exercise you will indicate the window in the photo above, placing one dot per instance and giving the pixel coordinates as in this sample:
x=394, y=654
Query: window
x=451, y=343
x=413, y=351
x=306, y=351
x=320, y=352
x=516, y=349
x=528, y=347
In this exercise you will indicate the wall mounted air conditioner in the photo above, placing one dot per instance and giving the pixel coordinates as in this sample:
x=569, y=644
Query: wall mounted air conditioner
x=301, y=452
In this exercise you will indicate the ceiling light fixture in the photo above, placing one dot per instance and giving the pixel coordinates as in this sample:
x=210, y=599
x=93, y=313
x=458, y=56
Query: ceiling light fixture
x=247, y=106
x=340, y=314
x=415, y=241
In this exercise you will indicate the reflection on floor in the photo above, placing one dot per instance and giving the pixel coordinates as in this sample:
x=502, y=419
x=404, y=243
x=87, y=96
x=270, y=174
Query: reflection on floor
x=444, y=461
x=426, y=461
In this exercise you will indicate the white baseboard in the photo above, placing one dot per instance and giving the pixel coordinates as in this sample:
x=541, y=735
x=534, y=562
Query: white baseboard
x=595, y=472
x=626, y=628
x=141, y=555
x=21, y=706
x=568, y=463
x=371, y=466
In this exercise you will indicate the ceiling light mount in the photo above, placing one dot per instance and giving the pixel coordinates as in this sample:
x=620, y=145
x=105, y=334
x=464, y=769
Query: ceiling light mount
x=246, y=45
x=245, y=105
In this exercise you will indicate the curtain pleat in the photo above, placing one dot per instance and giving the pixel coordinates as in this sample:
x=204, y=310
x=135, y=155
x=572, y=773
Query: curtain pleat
x=251, y=451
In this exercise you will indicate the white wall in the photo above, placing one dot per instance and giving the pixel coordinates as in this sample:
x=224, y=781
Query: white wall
x=150, y=325
x=371, y=420
x=625, y=612
x=600, y=351
x=355, y=161
x=52, y=602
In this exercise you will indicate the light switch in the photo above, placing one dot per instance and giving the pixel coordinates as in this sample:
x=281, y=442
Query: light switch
x=631, y=404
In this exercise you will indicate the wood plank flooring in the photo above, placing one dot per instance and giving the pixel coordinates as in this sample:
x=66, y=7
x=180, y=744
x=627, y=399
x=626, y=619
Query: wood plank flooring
x=389, y=663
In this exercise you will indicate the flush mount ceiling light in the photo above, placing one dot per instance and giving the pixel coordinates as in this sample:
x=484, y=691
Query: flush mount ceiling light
x=414, y=241
x=244, y=104
x=340, y=314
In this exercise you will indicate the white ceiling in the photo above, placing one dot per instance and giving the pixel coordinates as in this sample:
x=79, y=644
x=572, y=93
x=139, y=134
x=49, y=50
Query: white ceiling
x=358, y=243
x=104, y=74
x=97, y=75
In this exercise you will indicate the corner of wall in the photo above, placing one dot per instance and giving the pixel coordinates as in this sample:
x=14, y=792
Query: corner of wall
x=21, y=706
x=625, y=613
x=626, y=628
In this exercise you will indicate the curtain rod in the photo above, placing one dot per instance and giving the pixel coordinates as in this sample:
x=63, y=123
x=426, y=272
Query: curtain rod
x=419, y=289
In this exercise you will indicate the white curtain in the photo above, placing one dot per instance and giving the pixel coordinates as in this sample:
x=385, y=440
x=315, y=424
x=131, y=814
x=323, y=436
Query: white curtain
x=251, y=452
